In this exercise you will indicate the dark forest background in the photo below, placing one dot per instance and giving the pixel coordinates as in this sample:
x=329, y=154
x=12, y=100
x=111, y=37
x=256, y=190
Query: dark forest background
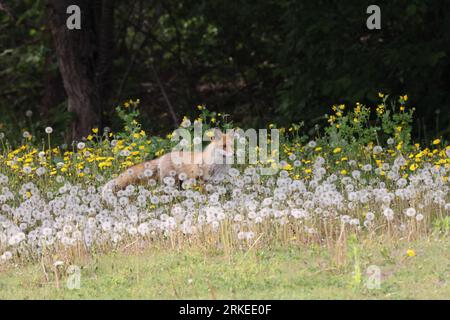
x=267, y=61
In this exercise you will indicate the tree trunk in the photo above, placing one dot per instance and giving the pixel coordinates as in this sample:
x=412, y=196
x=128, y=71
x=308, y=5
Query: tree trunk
x=54, y=93
x=82, y=62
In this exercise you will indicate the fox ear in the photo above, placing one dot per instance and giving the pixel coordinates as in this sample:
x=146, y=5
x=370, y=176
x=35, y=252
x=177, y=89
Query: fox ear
x=217, y=134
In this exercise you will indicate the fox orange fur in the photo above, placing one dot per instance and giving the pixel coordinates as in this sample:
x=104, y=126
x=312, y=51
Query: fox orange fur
x=196, y=165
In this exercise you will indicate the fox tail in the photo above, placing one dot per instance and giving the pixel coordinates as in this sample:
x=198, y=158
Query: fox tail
x=108, y=189
x=133, y=175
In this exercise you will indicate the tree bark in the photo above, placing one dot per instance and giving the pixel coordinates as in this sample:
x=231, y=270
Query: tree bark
x=84, y=58
x=54, y=92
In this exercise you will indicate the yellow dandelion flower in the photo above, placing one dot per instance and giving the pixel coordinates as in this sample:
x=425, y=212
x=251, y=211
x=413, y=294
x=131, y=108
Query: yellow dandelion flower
x=331, y=119
x=410, y=253
x=380, y=109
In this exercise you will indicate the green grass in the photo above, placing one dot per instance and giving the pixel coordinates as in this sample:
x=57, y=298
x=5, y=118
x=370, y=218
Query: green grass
x=283, y=273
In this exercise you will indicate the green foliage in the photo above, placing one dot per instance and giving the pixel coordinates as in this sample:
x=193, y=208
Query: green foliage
x=442, y=225
x=23, y=47
x=361, y=126
x=271, y=61
x=329, y=55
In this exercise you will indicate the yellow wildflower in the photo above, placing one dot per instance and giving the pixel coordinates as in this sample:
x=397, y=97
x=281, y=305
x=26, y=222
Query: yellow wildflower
x=331, y=119
x=410, y=253
x=159, y=152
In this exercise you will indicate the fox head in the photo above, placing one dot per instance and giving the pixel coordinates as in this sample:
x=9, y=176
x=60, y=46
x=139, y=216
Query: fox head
x=222, y=145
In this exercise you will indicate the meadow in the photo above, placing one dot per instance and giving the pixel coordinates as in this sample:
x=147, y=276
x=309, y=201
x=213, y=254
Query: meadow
x=286, y=272
x=357, y=201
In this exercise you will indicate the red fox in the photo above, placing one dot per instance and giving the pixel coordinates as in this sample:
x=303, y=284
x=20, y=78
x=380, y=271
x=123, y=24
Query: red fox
x=197, y=165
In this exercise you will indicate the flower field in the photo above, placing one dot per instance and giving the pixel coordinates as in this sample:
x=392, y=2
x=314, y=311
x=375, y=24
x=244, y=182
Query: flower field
x=358, y=177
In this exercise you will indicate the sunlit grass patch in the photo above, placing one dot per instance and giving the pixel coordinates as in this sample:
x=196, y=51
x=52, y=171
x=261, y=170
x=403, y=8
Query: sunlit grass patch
x=278, y=273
